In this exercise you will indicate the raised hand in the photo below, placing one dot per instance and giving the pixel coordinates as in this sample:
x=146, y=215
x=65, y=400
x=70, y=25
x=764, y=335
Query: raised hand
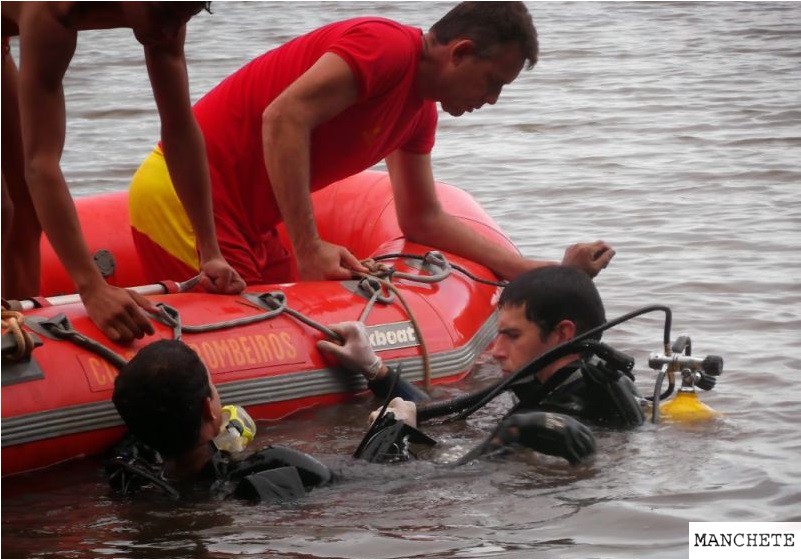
x=404, y=410
x=589, y=257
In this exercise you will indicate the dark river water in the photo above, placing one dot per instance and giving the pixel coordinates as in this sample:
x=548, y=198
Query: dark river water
x=670, y=130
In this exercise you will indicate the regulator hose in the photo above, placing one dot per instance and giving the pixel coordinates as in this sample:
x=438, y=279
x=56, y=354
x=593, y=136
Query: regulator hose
x=437, y=408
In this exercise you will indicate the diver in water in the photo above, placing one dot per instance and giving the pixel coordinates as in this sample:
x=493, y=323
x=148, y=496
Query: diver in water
x=167, y=399
x=180, y=439
x=168, y=402
x=538, y=311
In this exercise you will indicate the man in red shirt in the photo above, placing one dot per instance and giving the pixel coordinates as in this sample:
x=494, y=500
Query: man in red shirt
x=34, y=125
x=325, y=106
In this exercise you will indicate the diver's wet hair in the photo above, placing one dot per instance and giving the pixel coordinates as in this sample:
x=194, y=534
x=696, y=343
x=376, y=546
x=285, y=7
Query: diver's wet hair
x=555, y=293
x=160, y=395
x=489, y=24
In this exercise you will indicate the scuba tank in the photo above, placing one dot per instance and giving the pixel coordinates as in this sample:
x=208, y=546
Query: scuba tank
x=686, y=406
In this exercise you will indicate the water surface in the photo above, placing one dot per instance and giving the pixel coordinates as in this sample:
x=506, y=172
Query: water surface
x=672, y=131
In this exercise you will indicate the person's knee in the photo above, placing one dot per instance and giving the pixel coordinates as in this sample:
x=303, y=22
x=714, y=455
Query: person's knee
x=42, y=171
x=22, y=222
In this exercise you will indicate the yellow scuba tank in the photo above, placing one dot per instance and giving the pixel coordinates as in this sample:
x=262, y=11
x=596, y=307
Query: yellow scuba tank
x=686, y=407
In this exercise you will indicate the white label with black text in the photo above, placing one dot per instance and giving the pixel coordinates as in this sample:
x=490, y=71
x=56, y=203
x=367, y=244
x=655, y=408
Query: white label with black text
x=392, y=336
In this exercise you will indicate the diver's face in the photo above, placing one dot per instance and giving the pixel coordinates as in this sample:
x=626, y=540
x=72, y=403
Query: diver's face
x=470, y=81
x=519, y=340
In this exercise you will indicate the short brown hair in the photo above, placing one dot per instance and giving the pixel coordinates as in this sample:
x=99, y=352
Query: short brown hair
x=551, y=294
x=160, y=394
x=488, y=24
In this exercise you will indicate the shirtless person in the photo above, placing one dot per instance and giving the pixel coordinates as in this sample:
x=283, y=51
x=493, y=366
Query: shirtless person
x=33, y=131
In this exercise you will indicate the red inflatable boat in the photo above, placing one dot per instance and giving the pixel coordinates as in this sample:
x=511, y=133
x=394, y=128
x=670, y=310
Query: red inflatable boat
x=260, y=347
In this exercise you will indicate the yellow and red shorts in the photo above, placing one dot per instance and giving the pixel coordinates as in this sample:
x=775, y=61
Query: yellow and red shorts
x=166, y=242
x=162, y=233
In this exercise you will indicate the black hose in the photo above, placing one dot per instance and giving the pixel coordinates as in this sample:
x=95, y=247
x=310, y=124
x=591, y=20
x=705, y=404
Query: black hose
x=656, y=397
x=438, y=408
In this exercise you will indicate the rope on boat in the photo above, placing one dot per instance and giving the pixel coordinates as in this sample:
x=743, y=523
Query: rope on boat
x=377, y=270
x=12, y=323
x=170, y=316
x=372, y=283
x=465, y=271
x=60, y=327
x=273, y=301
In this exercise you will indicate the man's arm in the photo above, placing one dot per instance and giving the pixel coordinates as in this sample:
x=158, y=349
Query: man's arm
x=325, y=90
x=185, y=154
x=46, y=48
x=422, y=220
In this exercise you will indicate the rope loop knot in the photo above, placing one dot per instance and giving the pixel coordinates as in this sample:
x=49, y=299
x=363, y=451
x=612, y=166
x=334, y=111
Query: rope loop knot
x=12, y=322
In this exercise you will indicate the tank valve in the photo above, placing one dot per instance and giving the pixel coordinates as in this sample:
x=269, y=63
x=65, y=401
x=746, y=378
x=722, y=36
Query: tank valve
x=686, y=406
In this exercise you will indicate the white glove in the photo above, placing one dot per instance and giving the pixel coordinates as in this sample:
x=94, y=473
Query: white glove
x=355, y=353
x=404, y=410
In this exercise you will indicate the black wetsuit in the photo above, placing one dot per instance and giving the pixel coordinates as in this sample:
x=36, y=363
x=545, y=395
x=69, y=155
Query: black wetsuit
x=272, y=474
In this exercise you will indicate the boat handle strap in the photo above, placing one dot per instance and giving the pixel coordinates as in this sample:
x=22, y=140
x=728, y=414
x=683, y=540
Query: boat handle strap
x=61, y=328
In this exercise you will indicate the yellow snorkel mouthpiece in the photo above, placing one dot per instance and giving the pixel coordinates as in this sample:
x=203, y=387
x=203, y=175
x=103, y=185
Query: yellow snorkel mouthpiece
x=237, y=431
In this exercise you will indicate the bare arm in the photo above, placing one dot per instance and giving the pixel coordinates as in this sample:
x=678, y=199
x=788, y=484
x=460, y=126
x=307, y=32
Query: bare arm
x=185, y=153
x=324, y=91
x=46, y=48
x=422, y=220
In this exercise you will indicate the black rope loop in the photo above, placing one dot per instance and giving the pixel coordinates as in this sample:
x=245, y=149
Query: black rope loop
x=60, y=327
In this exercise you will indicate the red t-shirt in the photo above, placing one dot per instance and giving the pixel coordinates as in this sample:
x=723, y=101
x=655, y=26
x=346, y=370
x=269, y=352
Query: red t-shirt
x=389, y=115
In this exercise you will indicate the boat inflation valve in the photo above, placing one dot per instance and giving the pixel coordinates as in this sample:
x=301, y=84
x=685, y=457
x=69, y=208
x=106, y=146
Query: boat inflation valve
x=105, y=262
